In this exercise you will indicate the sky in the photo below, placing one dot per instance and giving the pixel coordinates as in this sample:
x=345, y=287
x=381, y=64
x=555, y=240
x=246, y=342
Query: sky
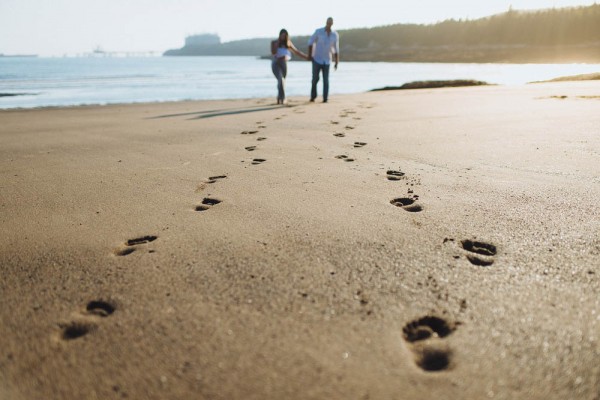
x=69, y=27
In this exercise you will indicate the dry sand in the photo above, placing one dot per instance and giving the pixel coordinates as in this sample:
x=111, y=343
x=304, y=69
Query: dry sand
x=128, y=273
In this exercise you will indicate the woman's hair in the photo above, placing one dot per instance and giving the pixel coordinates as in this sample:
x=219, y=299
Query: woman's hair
x=285, y=42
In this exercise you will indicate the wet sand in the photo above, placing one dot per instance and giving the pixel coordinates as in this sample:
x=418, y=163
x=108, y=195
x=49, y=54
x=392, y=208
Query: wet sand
x=392, y=245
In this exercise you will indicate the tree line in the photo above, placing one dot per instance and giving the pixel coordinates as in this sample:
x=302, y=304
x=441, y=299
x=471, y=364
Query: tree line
x=551, y=35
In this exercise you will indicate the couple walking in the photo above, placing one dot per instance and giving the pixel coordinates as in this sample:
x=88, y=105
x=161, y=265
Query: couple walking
x=325, y=42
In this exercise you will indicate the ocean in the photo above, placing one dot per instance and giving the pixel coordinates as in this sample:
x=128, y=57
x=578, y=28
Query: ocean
x=44, y=82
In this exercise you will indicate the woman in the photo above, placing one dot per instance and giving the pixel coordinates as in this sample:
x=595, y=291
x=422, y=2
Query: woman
x=282, y=49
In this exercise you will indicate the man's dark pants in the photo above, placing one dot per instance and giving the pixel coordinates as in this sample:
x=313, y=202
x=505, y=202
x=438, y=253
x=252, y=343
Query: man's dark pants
x=316, y=70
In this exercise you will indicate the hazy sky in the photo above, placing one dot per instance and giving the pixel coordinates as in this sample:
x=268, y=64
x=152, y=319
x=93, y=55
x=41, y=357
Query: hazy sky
x=57, y=27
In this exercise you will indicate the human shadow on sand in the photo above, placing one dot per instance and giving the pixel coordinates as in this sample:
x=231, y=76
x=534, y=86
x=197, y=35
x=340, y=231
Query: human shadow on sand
x=219, y=113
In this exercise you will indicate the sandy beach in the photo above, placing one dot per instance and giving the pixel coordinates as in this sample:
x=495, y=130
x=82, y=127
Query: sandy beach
x=393, y=245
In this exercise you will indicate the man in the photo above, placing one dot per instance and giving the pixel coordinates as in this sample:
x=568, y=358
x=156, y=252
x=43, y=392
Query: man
x=325, y=41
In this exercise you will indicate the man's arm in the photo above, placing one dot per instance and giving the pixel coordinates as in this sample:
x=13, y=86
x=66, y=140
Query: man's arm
x=336, y=49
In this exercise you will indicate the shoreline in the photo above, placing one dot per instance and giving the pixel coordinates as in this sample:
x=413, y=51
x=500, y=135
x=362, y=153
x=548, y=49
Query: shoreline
x=422, y=243
x=123, y=82
x=415, y=85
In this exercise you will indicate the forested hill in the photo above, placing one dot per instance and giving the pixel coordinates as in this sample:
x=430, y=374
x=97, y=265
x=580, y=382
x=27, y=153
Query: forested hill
x=552, y=35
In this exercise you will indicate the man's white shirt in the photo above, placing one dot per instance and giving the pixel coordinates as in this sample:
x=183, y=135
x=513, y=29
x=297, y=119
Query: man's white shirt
x=325, y=45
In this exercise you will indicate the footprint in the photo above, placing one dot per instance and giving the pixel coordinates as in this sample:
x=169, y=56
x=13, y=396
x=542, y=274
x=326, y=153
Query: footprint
x=100, y=308
x=479, y=253
x=213, y=179
x=257, y=161
x=124, y=251
x=359, y=144
x=260, y=139
x=433, y=359
x=407, y=204
x=130, y=245
x=207, y=203
x=141, y=240
x=250, y=148
x=82, y=326
x=339, y=135
x=335, y=122
x=425, y=328
x=395, y=175
x=424, y=337
x=349, y=127
x=249, y=132
x=209, y=181
x=345, y=158
x=262, y=126
x=76, y=329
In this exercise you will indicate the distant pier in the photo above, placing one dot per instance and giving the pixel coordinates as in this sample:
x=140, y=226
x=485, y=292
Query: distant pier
x=103, y=53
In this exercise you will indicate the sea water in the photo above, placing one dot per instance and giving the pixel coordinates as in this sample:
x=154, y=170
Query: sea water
x=43, y=82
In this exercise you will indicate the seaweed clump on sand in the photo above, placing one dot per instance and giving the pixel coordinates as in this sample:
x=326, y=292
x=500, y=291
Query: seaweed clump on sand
x=17, y=94
x=434, y=84
x=574, y=78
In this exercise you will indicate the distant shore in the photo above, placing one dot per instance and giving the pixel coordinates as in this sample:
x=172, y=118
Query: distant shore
x=17, y=94
x=19, y=55
x=515, y=36
x=498, y=54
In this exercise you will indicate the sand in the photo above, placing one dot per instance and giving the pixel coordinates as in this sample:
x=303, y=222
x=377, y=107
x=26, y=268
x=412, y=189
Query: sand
x=393, y=245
